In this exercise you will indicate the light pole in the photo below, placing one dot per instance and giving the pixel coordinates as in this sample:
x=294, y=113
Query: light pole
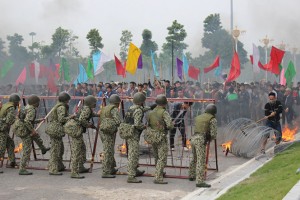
x=236, y=33
x=32, y=34
x=172, y=47
x=266, y=42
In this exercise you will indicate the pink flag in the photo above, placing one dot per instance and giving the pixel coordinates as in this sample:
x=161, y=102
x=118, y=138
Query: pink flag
x=282, y=77
x=22, y=77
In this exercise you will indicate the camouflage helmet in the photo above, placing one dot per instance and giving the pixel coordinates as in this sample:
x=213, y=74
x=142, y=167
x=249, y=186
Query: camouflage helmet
x=114, y=99
x=139, y=98
x=211, y=109
x=90, y=101
x=161, y=100
x=33, y=99
x=63, y=97
x=14, y=98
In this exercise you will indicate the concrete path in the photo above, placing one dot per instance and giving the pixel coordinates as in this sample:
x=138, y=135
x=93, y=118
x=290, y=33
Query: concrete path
x=294, y=193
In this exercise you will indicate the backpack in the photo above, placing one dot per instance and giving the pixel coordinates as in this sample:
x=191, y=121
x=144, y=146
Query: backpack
x=155, y=136
x=73, y=128
x=107, y=123
x=126, y=128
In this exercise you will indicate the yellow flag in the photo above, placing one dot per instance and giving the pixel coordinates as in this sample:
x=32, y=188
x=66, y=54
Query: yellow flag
x=132, y=59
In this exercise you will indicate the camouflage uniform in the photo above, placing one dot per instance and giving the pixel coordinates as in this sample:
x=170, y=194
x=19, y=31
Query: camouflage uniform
x=160, y=120
x=108, y=140
x=59, y=118
x=78, y=148
x=7, y=116
x=29, y=122
x=204, y=124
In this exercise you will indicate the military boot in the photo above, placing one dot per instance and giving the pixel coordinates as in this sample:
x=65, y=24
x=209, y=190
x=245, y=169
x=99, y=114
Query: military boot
x=192, y=178
x=62, y=168
x=139, y=173
x=55, y=173
x=24, y=172
x=203, y=184
x=13, y=164
x=76, y=175
x=108, y=176
x=160, y=182
x=133, y=180
x=44, y=150
x=84, y=170
x=114, y=171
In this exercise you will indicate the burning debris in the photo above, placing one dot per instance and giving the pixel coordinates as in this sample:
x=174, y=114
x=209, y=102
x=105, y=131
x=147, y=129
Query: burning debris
x=226, y=147
x=288, y=135
x=18, y=148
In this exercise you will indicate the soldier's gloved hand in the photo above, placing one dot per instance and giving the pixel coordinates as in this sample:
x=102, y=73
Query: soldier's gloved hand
x=34, y=132
x=153, y=106
x=72, y=116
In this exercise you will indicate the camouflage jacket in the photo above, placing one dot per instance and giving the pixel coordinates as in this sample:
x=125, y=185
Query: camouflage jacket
x=9, y=116
x=62, y=113
x=30, y=117
x=86, y=113
x=138, y=115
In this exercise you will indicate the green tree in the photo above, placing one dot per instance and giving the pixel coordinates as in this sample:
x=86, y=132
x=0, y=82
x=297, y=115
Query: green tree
x=94, y=39
x=125, y=39
x=18, y=53
x=212, y=23
x=2, y=50
x=60, y=40
x=148, y=45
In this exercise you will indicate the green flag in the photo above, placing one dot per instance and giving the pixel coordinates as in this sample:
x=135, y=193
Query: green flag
x=280, y=68
x=6, y=67
x=89, y=70
x=64, y=70
x=289, y=74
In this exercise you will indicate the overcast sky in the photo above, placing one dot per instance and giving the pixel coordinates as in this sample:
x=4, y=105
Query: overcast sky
x=279, y=19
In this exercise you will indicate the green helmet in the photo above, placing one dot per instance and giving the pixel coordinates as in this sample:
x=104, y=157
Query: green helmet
x=33, y=99
x=64, y=97
x=90, y=101
x=139, y=98
x=14, y=98
x=161, y=100
x=211, y=109
x=114, y=99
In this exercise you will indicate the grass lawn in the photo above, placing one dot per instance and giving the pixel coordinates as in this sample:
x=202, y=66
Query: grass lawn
x=272, y=181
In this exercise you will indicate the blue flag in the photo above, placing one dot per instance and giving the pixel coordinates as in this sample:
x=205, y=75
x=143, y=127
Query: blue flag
x=218, y=71
x=154, y=65
x=185, y=64
x=96, y=59
x=82, y=76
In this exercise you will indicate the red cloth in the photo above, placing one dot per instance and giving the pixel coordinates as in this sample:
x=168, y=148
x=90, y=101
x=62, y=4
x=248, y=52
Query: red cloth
x=43, y=71
x=215, y=64
x=259, y=64
x=50, y=82
x=32, y=70
x=276, y=58
x=235, y=69
x=22, y=77
x=119, y=67
x=193, y=72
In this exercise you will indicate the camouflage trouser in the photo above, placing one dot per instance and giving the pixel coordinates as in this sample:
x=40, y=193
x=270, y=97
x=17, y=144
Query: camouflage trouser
x=38, y=140
x=6, y=142
x=133, y=156
x=56, y=154
x=27, y=147
x=77, y=149
x=109, y=161
x=160, y=152
x=197, y=164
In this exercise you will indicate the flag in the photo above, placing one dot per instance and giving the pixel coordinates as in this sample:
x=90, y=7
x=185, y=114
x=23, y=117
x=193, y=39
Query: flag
x=282, y=78
x=64, y=70
x=140, y=62
x=56, y=73
x=52, y=65
x=255, y=59
x=290, y=73
x=185, y=64
x=276, y=58
x=103, y=59
x=119, y=67
x=50, y=82
x=235, y=69
x=36, y=71
x=218, y=71
x=31, y=70
x=215, y=64
x=193, y=72
x=260, y=65
x=179, y=68
x=132, y=59
x=82, y=76
x=6, y=67
x=22, y=77
x=154, y=65
x=96, y=58
x=124, y=75
x=89, y=70
x=43, y=71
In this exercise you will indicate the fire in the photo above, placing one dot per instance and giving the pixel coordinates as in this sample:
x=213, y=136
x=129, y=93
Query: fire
x=188, y=144
x=122, y=148
x=289, y=134
x=226, y=146
x=18, y=148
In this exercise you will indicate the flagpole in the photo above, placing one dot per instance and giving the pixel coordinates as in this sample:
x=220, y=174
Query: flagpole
x=266, y=42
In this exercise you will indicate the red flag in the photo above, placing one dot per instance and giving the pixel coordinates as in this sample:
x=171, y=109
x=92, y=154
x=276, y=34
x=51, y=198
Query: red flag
x=259, y=64
x=276, y=58
x=32, y=70
x=56, y=73
x=193, y=72
x=43, y=71
x=22, y=77
x=213, y=66
x=119, y=67
x=235, y=69
x=50, y=82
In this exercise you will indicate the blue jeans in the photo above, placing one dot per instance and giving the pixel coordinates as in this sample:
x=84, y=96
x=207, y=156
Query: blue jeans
x=277, y=127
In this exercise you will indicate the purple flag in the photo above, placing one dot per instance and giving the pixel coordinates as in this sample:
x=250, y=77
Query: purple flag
x=179, y=68
x=140, y=62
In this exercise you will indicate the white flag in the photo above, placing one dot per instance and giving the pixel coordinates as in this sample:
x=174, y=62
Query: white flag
x=103, y=59
x=255, y=59
x=36, y=71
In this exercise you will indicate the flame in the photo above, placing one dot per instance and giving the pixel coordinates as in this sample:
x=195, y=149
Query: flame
x=226, y=145
x=289, y=134
x=18, y=148
x=188, y=144
x=122, y=148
